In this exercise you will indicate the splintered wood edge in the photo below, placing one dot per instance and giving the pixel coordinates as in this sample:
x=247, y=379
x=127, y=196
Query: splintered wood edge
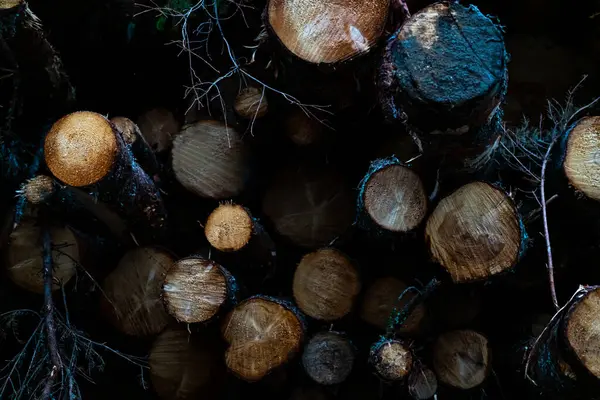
x=195, y=289
x=452, y=360
x=307, y=283
x=391, y=359
x=241, y=350
x=582, y=331
x=81, y=148
x=229, y=227
x=455, y=260
x=323, y=32
x=395, y=199
x=582, y=158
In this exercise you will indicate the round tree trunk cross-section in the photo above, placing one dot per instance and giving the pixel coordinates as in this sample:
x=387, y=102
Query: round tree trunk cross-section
x=461, y=359
x=158, y=127
x=395, y=199
x=133, y=292
x=24, y=261
x=183, y=366
x=582, y=159
x=583, y=331
x=392, y=360
x=380, y=299
x=328, y=358
x=475, y=232
x=195, y=289
x=326, y=284
x=229, y=227
x=263, y=334
x=251, y=103
x=128, y=129
x=448, y=63
x=38, y=189
x=81, y=148
x=6, y=4
x=302, y=129
x=210, y=160
x=422, y=384
x=327, y=31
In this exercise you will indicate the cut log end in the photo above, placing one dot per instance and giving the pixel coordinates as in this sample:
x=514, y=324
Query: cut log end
x=81, y=148
x=263, y=334
x=229, y=227
x=466, y=67
x=422, y=384
x=394, y=198
x=127, y=128
x=210, y=159
x=326, y=284
x=251, y=103
x=195, y=289
x=382, y=296
x=391, y=359
x=328, y=358
x=24, y=256
x=338, y=31
x=302, y=129
x=583, y=331
x=38, y=189
x=461, y=359
x=133, y=292
x=582, y=158
x=475, y=232
x=183, y=366
x=8, y=4
x=158, y=127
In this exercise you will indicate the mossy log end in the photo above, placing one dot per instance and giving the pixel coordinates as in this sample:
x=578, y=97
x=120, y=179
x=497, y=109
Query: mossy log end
x=326, y=284
x=84, y=149
x=475, y=233
x=328, y=358
x=263, y=334
x=391, y=198
x=196, y=289
x=325, y=32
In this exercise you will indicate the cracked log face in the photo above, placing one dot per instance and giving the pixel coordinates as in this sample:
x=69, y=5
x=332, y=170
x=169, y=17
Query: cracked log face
x=582, y=331
x=445, y=68
x=582, y=158
x=461, y=359
x=263, y=334
x=328, y=358
x=195, y=289
x=475, y=233
x=394, y=199
x=326, y=284
x=327, y=31
x=229, y=227
x=81, y=148
x=133, y=292
x=392, y=360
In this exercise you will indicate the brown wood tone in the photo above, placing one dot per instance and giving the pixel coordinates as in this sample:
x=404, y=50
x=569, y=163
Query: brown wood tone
x=582, y=332
x=127, y=128
x=184, y=365
x=582, y=158
x=211, y=160
x=303, y=129
x=38, y=189
x=475, y=232
x=309, y=205
x=229, y=227
x=328, y=358
x=422, y=383
x=327, y=31
x=133, y=292
x=195, y=289
x=392, y=360
x=251, y=103
x=24, y=256
x=394, y=198
x=326, y=284
x=158, y=127
x=462, y=359
x=382, y=296
x=263, y=334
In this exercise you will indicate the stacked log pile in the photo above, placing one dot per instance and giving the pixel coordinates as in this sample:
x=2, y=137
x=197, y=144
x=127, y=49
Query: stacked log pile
x=291, y=199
